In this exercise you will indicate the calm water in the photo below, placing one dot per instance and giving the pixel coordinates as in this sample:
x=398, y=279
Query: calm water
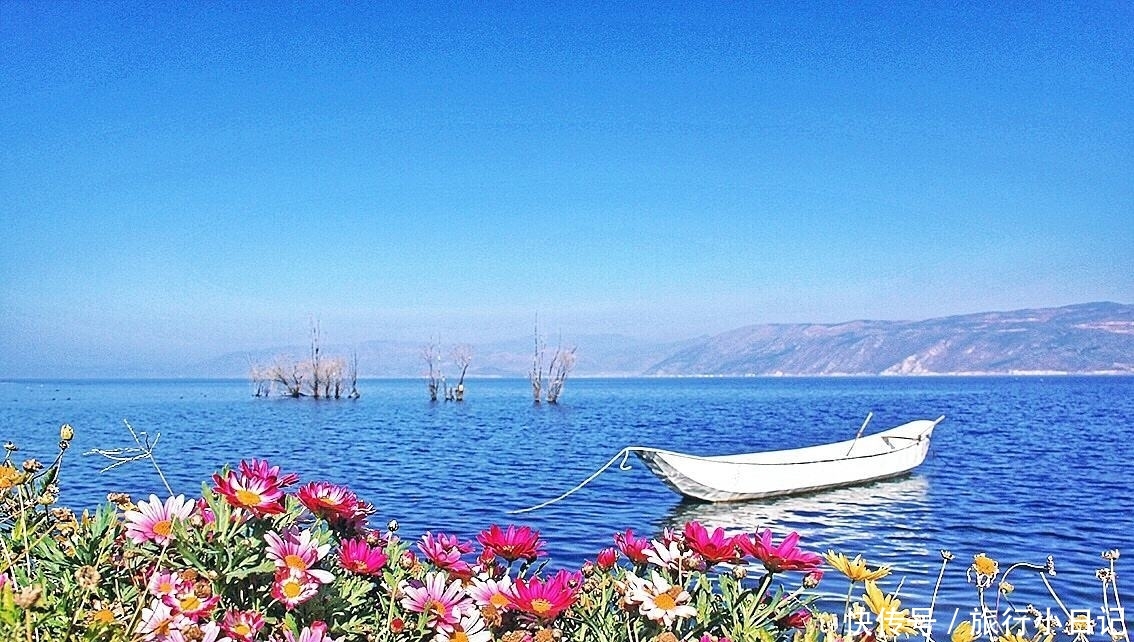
x=1021, y=467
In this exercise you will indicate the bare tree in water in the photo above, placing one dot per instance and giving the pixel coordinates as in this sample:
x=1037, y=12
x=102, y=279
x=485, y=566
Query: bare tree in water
x=535, y=375
x=318, y=376
x=462, y=357
x=352, y=374
x=433, y=378
x=561, y=364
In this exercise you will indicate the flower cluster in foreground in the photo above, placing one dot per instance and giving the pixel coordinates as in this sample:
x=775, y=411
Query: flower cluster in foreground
x=258, y=557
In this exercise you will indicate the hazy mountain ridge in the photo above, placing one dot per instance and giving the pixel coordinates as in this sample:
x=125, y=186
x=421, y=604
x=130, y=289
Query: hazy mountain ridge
x=1090, y=337
x=1084, y=338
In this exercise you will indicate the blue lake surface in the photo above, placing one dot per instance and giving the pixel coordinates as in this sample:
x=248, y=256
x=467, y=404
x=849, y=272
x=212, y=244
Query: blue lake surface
x=1021, y=467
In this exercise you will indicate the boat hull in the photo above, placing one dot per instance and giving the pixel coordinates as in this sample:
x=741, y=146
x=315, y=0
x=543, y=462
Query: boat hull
x=726, y=478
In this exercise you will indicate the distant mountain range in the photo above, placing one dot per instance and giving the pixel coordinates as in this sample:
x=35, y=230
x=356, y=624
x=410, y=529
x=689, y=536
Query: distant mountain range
x=1084, y=338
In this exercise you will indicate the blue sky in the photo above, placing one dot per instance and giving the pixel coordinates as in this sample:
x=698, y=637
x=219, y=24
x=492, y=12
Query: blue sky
x=180, y=181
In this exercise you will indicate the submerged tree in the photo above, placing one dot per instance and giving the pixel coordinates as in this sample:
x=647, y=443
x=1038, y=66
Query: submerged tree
x=462, y=357
x=318, y=376
x=561, y=364
x=435, y=381
x=431, y=354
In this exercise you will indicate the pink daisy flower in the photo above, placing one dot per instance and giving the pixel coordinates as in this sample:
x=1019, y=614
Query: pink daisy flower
x=634, y=548
x=328, y=500
x=607, y=558
x=357, y=556
x=316, y=632
x=187, y=600
x=262, y=469
x=242, y=626
x=440, y=603
x=297, y=551
x=487, y=591
x=445, y=552
x=292, y=587
x=158, y=621
x=512, y=544
x=260, y=495
x=164, y=583
x=153, y=520
x=545, y=599
x=785, y=557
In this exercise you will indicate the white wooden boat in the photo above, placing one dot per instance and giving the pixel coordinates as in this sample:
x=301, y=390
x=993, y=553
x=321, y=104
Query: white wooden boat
x=726, y=478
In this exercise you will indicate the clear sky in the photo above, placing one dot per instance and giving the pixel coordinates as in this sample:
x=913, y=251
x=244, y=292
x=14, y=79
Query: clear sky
x=183, y=180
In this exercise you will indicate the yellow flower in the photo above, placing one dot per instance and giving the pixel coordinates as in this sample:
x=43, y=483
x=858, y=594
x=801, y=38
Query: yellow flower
x=892, y=619
x=985, y=565
x=855, y=569
x=963, y=632
x=10, y=476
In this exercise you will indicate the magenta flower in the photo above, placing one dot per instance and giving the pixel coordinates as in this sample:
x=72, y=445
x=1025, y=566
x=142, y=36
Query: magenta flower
x=153, y=521
x=714, y=548
x=512, y=544
x=607, y=558
x=259, y=495
x=785, y=557
x=440, y=602
x=357, y=556
x=261, y=469
x=545, y=599
x=633, y=548
x=445, y=552
x=329, y=501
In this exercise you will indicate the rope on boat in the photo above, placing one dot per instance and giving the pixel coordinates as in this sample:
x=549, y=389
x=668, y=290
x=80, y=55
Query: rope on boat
x=624, y=454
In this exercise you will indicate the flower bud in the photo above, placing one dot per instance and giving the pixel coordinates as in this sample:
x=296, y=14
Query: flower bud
x=10, y=447
x=392, y=525
x=812, y=579
x=87, y=577
x=32, y=465
x=66, y=432
x=740, y=572
x=28, y=597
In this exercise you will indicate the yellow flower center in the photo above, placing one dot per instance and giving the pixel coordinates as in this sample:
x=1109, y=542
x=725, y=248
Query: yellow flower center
x=103, y=616
x=434, y=606
x=540, y=606
x=360, y=566
x=291, y=589
x=248, y=498
x=163, y=528
x=296, y=562
x=459, y=636
x=665, y=602
x=499, y=600
x=190, y=603
x=242, y=629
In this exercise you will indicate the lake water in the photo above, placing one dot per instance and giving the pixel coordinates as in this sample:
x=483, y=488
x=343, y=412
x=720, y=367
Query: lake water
x=1021, y=467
